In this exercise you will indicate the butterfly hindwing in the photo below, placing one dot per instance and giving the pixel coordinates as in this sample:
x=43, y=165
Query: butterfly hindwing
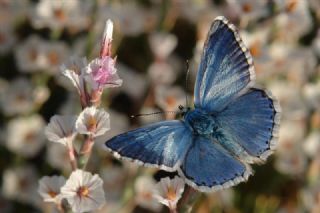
x=225, y=70
x=162, y=145
x=209, y=167
x=252, y=121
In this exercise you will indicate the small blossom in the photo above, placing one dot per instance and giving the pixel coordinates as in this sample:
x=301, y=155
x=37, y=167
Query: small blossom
x=30, y=54
x=162, y=44
x=49, y=188
x=103, y=73
x=93, y=121
x=25, y=135
x=61, y=129
x=59, y=14
x=143, y=190
x=55, y=53
x=84, y=191
x=20, y=184
x=21, y=97
x=169, y=191
x=292, y=163
x=311, y=144
x=74, y=70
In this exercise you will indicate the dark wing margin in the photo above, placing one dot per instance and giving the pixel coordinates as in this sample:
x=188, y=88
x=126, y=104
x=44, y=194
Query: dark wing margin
x=161, y=145
x=226, y=69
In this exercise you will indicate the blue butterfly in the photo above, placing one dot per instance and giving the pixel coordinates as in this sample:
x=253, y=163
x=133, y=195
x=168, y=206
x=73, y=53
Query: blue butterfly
x=232, y=125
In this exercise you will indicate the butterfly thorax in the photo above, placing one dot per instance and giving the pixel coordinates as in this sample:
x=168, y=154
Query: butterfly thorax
x=200, y=122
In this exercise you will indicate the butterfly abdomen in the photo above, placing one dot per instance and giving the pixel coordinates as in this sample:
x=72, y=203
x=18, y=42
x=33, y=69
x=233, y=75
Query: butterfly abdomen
x=200, y=122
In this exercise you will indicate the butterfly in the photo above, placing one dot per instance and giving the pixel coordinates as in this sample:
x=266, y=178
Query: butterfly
x=233, y=124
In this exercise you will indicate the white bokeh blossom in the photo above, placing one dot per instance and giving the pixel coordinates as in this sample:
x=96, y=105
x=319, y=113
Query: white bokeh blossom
x=143, y=187
x=25, y=135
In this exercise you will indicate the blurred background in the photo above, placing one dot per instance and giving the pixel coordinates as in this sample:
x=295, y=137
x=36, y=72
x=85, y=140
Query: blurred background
x=153, y=39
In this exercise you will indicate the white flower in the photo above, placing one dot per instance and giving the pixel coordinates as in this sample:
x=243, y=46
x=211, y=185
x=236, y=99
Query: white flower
x=20, y=184
x=25, y=135
x=74, y=70
x=30, y=54
x=311, y=144
x=55, y=53
x=102, y=73
x=83, y=191
x=61, y=129
x=297, y=20
x=294, y=162
x=143, y=193
x=311, y=92
x=49, y=188
x=59, y=13
x=93, y=121
x=248, y=10
x=20, y=97
x=169, y=191
x=162, y=44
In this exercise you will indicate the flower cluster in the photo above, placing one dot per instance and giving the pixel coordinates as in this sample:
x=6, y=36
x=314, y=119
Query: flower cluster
x=82, y=190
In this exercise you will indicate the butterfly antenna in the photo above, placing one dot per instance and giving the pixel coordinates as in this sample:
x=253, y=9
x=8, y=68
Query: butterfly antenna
x=187, y=77
x=152, y=113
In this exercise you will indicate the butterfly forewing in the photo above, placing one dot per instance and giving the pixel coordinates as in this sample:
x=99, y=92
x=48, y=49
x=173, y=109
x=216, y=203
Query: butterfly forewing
x=225, y=69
